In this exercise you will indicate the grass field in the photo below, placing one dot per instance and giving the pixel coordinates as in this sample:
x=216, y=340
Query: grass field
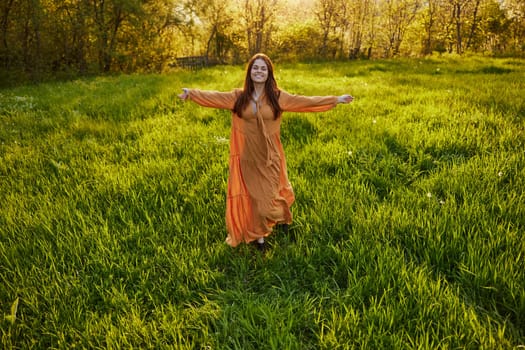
x=408, y=225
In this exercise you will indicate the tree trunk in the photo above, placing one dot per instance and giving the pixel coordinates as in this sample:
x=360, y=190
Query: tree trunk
x=474, y=24
x=457, y=15
x=427, y=49
x=4, y=20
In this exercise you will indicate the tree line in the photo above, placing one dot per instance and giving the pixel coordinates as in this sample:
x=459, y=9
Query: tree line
x=93, y=36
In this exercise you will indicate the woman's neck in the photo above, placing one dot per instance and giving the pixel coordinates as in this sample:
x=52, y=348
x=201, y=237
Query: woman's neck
x=258, y=90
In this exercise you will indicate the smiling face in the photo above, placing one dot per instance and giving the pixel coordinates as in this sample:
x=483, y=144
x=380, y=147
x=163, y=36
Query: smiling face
x=259, y=71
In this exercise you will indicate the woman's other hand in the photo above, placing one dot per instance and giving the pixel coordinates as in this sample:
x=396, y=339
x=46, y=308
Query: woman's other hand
x=185, y=94
x=345, y=99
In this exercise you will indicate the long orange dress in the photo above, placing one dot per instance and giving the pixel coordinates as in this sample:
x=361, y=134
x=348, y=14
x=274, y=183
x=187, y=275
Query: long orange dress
x=259, y=195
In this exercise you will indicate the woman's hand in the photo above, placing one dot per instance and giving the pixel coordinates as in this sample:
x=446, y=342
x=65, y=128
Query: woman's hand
x=185, y=94
x=345, y=99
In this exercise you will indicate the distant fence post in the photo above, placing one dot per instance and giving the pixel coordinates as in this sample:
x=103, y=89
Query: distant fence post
x=191, y=62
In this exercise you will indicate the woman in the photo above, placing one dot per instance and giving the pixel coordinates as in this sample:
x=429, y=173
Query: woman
x=259, y=194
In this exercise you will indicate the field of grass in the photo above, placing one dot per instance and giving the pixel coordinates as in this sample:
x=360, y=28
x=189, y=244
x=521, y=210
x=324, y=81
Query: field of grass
x=408, y=225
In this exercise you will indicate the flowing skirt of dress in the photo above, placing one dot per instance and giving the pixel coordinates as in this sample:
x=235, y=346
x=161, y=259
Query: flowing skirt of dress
x=259, y=194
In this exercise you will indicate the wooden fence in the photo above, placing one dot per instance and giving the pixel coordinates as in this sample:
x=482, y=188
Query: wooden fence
x=191, y=62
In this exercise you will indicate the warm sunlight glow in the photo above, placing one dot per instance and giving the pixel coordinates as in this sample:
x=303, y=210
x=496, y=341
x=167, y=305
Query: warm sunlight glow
x=297, y=9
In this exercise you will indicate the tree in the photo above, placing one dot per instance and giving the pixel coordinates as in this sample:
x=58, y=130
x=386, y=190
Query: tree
x=68, y=34
x=258, y=16
x=108, y=16
x=362, y=15
x=39, y=37
x=397, y=16
x=461, y=11
x=327, y=12
x=298, y=41
x=222, y=35
x=473, y=23
x=515, y=12
x=4, y=28
x=149, y=37
x=31, y=35
x=428, y=21
x=494, y=26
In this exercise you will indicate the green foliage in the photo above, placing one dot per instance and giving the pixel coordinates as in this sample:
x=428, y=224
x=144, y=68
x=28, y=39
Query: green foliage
x=407, y=227
x=41, y=40
x=298, y=41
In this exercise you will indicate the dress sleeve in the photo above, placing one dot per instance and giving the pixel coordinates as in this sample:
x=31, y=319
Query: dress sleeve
x=214, y=99
x=298, y=103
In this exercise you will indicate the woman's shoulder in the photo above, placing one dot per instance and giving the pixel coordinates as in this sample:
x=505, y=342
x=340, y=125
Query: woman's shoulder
x=237, y=91
x=283, y=94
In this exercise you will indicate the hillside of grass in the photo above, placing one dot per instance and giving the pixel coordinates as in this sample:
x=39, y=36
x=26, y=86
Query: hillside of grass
x=408, y=222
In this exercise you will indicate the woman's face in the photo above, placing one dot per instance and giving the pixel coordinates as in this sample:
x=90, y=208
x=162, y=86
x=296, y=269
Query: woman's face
x=259, y=72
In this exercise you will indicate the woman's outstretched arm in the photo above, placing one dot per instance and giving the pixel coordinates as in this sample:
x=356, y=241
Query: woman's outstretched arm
x=207, y=98
x=298, y=103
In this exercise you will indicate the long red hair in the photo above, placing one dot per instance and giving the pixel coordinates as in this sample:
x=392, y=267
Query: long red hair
x=270, y=88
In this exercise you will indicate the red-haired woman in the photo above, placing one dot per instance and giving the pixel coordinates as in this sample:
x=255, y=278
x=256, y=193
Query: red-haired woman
x=259, y=194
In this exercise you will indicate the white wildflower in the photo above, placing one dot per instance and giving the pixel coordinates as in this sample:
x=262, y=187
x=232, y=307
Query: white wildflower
x=221, y=139
x=429, y=195
x=500, y=174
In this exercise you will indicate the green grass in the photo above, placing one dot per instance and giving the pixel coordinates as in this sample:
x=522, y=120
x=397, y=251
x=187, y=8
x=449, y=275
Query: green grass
x=408, y=223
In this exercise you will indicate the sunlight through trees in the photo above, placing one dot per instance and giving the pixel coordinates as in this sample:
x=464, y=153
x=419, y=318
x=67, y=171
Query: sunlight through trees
x=91, y=36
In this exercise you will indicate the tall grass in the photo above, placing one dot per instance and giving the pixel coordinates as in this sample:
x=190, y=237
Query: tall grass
x=408, y=225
